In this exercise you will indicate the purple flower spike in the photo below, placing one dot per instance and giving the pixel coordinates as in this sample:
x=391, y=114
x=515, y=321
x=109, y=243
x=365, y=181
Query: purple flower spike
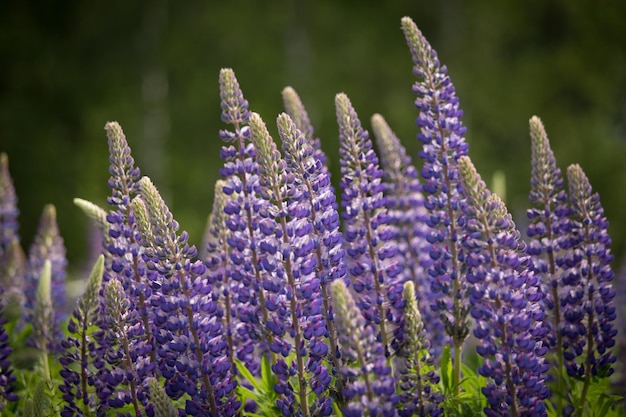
x=9, y=212
x=7, y=378
x=548, y=223
x=417, y=382
x=240, y=173
x=78, y=348
x=408, y=216
x=193, y=352
x=316, y=197
x=373, y=265
x=588, y=311
x=48, y=245
x=442, y=136
x=506, y=304
x=296, y=111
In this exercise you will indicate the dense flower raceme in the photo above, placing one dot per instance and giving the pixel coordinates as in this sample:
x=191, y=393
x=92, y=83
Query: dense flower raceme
x=407, y=215
x=506, y=304
x=588, y=311
x=7, y=377
x=47, y=245
x=442, y=136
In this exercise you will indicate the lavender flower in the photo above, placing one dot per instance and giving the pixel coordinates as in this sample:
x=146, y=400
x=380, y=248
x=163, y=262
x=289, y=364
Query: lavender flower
x=588, y=312
x=407, y=215
x=47, y=245
x=79, y=348
x=443, y=144
x=13, y=273
x=373, y=266
x=505, y=301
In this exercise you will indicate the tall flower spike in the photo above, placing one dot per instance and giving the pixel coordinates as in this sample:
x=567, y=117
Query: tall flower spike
x=48, y=245
x=405, y=205
x=505, y=300
x=8, y=209
x=240, y=172
x=588, y=331
x=442, y=136
x=185, y=311
x=121, y=326
x=219, y=268
x=296, y=111
x=418, y=380
x=372, y=263
x=12, y=279
x=78, y=347
x=43, y=314
x=548, y=222
x=7, y=378
x=287, y=261
x=316, y=199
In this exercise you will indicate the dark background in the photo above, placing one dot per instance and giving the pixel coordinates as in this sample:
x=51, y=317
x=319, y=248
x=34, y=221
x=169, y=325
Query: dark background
x=69, y=67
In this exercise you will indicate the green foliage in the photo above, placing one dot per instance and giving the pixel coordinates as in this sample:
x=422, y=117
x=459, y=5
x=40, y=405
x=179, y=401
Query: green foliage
x=469, y=401
x=261, y=390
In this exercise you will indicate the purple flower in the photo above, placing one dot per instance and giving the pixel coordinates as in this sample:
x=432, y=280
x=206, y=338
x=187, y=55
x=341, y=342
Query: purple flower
x=407, y=216
x=418, y=384
x=373, y=265
x=371, y=388
x=588, y=312
x=548, y=224
x=9, y=212
x=7, y=378
x=78, y=348
x=193, y=353
x=314, y=198
x=506, y=304
x=442, y=136
x=47, y=245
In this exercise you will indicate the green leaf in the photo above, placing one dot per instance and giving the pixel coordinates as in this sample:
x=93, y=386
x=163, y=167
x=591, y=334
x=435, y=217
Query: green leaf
x=243, y=371
x=446, y=369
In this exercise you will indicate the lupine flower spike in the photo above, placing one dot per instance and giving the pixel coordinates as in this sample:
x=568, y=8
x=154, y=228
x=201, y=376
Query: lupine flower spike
x=79, y=349
x=418, y=380
x=240, y=172
x=288, y=261
x=315, y=198
x=48, y=245
x=588, y=310
x=442, y=136
x=216, y=256
x=405, y=205
x=8, y=211
x=159, y=401
x=548, y=222
x=7, y=377
x=373, y=265
x=505, y=299
x=187, y=316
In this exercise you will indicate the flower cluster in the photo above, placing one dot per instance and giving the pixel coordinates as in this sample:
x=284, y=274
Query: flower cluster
x=302, y=302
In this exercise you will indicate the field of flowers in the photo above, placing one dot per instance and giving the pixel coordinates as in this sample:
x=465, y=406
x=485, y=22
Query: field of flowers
x=405, y=292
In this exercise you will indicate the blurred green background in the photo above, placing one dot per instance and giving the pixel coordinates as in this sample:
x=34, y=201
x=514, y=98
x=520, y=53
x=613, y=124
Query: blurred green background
x=69, y=67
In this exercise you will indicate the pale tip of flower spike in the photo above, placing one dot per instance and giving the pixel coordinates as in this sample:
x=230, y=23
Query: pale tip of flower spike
x=95, y=213
x=94, y=282
x=163, y=406
x=142, y=218
x=44, y=299
x=537, y=130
